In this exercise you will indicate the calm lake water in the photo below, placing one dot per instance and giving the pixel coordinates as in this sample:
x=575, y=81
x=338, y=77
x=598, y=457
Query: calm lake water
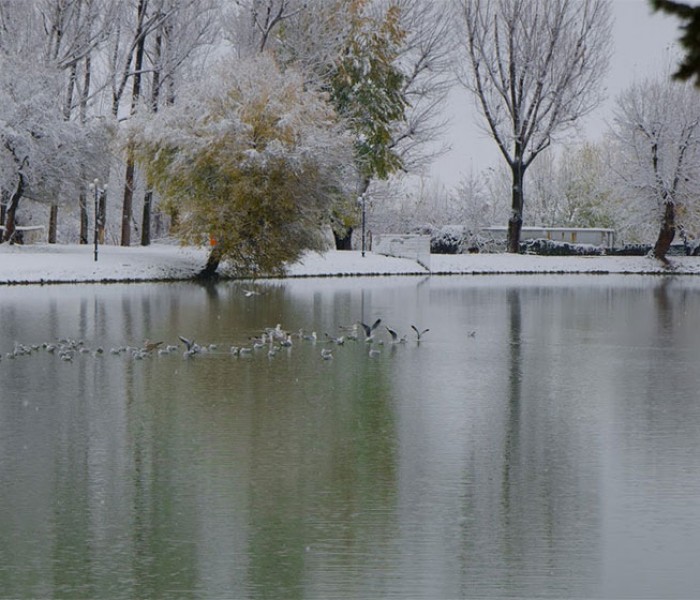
x=553, y=453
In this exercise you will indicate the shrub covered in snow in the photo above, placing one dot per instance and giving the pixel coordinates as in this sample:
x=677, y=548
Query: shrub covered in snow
x=556, y=248
x=631, y=250
x=448, y=239
x=693, y=247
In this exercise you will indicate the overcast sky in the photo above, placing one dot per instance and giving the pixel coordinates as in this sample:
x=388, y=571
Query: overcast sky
x=642, y=42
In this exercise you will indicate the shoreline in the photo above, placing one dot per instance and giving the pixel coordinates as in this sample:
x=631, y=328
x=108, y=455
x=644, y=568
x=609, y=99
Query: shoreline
x=55, y=264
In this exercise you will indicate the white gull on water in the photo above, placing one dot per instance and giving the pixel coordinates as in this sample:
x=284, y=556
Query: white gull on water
x=65, y=263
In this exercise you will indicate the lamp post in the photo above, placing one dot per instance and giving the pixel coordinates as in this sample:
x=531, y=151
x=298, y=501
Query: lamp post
x=95, y=187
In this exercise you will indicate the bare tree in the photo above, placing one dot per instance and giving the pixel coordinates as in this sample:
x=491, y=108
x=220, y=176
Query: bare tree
x=535, y=68
x=171, y=48
x=73, y=29
x=254, y=22
x=657, y=125
x=152, y=38
x=426, y=60
x=45, y=153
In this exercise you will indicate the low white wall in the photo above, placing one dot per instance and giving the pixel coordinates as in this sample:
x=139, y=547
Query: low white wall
x=31, y=234
x=413, y=246
x=573, y=235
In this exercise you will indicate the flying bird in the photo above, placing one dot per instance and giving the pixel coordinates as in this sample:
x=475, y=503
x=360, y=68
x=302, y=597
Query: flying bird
x=191, y=347
x=419, y=333
x=189, y=344
x=369, y=329
x=395, y=339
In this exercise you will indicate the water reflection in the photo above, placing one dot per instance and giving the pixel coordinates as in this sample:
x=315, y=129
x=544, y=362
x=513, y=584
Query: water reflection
x=554, y=454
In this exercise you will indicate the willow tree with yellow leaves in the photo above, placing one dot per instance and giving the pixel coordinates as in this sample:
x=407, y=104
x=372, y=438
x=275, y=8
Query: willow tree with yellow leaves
x=249, y=161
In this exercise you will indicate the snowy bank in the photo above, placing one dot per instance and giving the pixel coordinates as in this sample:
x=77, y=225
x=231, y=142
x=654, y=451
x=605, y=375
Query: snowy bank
x=44, y=263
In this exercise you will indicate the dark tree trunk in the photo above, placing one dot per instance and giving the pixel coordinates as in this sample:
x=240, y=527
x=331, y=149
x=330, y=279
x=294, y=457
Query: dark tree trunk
x=146, y=221
x=82, y=196
x=53, y=223
x=515, y=226
x=515, y=222
x=209, y=270
x=127, y=206
x=9, y=231
x=82, y=201
x=155, y=95
x=128, y=202
x=667, y=232
x=343, y=242
x=4, y=201
x=158, y=224
x=101, y=216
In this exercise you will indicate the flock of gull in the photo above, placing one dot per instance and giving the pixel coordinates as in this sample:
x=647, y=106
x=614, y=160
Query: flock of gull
x=270, y=341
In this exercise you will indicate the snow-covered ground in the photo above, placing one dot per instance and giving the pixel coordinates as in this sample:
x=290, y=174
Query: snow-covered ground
x=44, y=263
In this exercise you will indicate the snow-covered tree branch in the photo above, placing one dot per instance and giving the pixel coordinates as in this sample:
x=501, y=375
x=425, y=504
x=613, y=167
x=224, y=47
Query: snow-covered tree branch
x=657, y=127
x=534, y=67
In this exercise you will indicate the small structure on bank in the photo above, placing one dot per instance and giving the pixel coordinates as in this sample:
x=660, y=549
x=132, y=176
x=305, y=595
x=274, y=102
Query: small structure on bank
x=413, y=246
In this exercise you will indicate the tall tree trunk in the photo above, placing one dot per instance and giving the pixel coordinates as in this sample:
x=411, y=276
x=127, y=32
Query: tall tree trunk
x=82, y=201
x=515, y=222
x=53, y=223
x=4, y=201
x=155, y=93
x=82, y=196
x=667, y=231
x=146, y=219
x=127, y=205
x=158, y=223
x=101, y=216
x=127, y=202
x=9, y=231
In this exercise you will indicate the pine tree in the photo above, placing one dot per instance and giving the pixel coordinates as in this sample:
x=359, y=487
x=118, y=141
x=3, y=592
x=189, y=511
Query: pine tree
x=690, y=40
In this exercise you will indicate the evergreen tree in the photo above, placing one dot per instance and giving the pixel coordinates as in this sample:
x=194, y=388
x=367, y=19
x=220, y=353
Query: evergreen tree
x=690, y=40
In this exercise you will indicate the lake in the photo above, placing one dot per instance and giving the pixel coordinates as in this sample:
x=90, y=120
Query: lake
x=542, y=439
